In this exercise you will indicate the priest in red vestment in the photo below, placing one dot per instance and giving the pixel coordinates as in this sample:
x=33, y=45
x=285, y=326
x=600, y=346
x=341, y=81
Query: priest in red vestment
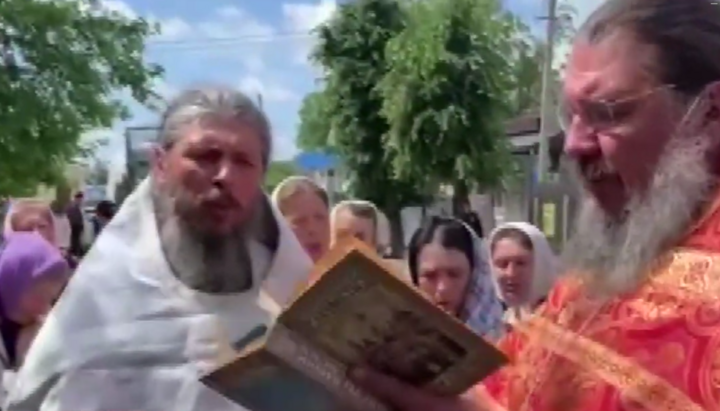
x=635, y=323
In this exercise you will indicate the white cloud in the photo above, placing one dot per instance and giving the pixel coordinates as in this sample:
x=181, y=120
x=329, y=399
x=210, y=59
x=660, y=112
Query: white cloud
x=229, y=32
x=270, y=92
x=227, y=23
x=304, y=18
x=174, y=28
x=284, y=147
x=118, y=6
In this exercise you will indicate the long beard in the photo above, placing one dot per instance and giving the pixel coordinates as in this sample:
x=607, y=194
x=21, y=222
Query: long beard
x=615, y=255
x=209, y=263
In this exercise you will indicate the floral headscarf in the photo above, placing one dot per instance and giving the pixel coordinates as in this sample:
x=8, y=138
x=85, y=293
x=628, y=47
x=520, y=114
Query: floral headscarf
x=482, y=310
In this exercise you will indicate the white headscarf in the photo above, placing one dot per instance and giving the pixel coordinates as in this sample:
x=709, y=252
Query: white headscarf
x=546, y=266
x=482, y=310
x=378, y=223
x=275, y=196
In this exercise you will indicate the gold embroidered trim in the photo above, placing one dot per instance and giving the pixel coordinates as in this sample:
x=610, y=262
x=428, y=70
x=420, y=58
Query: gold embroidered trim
x=690, y=274
x=631, y=380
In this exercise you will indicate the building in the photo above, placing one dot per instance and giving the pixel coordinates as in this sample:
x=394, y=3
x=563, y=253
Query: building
x=138, y=145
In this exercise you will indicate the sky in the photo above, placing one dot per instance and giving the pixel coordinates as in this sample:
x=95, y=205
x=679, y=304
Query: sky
x=260, y=47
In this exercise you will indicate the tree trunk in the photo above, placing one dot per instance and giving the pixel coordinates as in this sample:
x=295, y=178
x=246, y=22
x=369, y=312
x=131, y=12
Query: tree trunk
x=397, y=237
x=460, y=198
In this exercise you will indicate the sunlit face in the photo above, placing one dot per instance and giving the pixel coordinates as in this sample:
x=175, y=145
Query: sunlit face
x=444, y=275
x=618, y=118
x=513, y=268
x=39, y=299
x=309, y=219
x=31, y=220
x=347, y=225
x=214, y=174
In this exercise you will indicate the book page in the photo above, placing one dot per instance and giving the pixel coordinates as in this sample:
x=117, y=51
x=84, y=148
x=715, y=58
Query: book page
x=318, y=366
x=358, y=313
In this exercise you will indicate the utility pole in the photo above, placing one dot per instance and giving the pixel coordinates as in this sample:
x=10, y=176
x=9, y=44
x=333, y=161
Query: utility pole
x=260, y=101
x=546, y=104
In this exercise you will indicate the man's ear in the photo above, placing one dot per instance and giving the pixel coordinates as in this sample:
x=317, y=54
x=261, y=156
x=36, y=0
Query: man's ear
x=158, y=160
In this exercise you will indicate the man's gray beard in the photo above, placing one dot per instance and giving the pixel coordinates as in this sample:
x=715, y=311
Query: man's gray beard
x=209, y=263
x=615, y=255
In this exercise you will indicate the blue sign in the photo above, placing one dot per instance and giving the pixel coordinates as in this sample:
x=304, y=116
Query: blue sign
x=316, y=161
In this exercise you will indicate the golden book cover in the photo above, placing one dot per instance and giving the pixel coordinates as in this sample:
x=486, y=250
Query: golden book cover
x=355, y=311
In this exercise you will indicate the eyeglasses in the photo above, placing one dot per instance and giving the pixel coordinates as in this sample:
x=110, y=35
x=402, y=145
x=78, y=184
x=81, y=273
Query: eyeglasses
x=601, y=115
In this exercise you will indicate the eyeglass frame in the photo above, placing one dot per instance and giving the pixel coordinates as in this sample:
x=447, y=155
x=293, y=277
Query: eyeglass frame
x=608, y=106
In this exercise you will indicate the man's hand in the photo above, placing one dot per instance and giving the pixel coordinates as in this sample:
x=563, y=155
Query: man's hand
x=406, y=398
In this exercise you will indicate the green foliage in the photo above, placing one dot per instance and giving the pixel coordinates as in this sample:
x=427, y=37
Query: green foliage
x=315, y=127
x=277, y=172
x=70, y=61
x=351, y=50
x=446, y=95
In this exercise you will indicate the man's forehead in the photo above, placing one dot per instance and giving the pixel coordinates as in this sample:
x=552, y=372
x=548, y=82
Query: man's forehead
x=216, y=130
x=609, y=69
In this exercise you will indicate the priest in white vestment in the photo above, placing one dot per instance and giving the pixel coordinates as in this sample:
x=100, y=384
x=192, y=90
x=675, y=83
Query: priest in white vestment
x=194, y=266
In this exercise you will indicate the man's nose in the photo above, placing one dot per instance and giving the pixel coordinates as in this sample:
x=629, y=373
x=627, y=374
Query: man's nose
x=580, y=140
x=224, y=172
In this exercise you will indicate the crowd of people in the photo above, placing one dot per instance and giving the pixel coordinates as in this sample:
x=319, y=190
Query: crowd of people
x=40, y=249
x=199, y=256
x=488, y=285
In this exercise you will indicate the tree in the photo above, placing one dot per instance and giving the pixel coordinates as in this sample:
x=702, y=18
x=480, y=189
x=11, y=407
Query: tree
x=277, y=172
x=447, y=94
x=315, y=126
x=351, y=50
x=526, y=73
x=63, y=65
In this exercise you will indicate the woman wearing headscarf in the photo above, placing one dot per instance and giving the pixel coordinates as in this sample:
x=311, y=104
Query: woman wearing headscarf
x=32, y=276
x=525, y=268
x=449, y=264
x=34, y=215
x=306, y=207
x=31, y=215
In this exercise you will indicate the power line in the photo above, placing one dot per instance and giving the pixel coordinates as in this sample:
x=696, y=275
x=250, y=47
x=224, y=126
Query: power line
x=222, y=41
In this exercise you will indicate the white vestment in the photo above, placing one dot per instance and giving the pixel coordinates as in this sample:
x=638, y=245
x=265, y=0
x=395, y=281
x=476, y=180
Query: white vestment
x=128, y=335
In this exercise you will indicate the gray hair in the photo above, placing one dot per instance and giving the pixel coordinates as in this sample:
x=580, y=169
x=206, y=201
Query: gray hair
x=196, y=104
x=686, y=34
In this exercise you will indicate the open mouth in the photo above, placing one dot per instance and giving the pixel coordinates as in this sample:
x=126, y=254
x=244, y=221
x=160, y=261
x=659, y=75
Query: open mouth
x=597, y=172
x=314, y=249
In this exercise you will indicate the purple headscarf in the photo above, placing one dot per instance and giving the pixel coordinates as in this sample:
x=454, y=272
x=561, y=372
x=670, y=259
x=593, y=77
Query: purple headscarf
x=26, y=258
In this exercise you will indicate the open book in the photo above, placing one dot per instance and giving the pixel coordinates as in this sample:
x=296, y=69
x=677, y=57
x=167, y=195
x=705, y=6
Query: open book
x=357, y=312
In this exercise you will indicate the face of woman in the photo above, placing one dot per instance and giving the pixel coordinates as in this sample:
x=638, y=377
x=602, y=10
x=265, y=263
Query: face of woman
x=35, y=221
x=309, y=219
x=443, y=275
x=349, y=225
x=513, y=268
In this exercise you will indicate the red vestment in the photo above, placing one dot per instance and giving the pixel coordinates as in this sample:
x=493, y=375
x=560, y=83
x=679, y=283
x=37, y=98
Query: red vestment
x=657, y=349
